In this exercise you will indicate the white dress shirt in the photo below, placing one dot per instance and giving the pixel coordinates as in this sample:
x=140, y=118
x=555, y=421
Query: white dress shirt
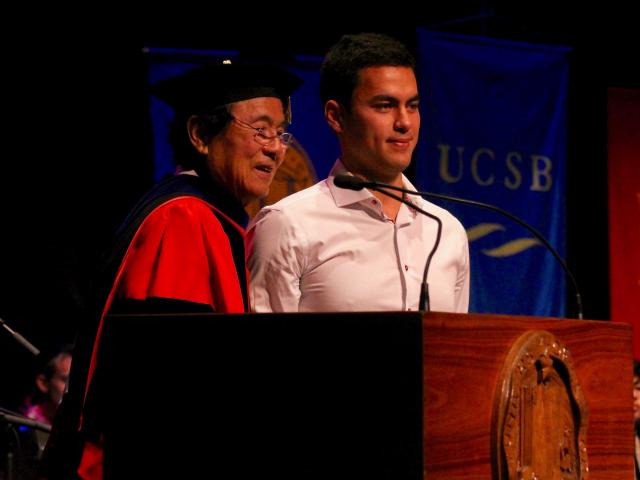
x=329, y=249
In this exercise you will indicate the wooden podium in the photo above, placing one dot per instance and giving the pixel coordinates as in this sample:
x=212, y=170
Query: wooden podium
x=381, y=395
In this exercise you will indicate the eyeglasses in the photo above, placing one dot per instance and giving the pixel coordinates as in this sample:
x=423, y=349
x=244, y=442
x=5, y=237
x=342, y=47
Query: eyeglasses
x=265, y=136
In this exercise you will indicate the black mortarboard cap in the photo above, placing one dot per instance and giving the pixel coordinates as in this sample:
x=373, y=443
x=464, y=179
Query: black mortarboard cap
x=203, y=89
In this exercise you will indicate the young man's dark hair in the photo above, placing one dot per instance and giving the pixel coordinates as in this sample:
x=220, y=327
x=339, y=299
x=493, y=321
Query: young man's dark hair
x=339, y=72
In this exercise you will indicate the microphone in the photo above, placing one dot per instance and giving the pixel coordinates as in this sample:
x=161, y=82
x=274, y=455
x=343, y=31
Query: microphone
x=17, y=419
x=356, y=183
x=351, y=182
x=21, y=340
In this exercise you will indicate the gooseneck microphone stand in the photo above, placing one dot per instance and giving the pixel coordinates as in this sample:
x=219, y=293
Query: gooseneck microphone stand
x=425, y=302
x=10, y=420
x=356, y=183
x=20, y=339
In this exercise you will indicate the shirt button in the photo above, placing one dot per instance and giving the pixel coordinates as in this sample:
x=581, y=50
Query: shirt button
x=406, y=268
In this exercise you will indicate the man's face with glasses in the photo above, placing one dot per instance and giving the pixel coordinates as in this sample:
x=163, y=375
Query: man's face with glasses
x=247, y=153
x=266, y=135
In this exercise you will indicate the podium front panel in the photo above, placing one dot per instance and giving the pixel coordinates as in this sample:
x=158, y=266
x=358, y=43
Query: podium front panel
x=263, y=396
x=390, y=395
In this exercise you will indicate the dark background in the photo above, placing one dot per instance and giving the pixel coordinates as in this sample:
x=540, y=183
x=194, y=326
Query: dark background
x=76, y=137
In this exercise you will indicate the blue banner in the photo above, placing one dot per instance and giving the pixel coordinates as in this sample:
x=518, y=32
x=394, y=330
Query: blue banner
x=494, y=130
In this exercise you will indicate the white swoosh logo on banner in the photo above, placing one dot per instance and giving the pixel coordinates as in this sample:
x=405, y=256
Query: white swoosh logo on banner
x=508, y=249
x=483, y=229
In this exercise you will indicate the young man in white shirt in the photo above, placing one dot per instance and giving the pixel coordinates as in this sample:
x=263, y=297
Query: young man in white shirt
x=330, y=249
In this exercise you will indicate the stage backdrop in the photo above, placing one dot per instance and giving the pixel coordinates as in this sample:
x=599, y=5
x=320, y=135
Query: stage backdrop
x=624, y=208
x=494, y=130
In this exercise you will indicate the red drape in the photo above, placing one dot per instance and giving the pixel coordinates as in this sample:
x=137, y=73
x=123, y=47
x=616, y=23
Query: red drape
x=624, y=208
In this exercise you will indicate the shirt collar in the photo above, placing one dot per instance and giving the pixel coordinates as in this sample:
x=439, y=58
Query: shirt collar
x=344, y=197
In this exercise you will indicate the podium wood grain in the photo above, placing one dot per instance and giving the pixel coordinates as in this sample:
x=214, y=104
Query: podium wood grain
x=463, y=361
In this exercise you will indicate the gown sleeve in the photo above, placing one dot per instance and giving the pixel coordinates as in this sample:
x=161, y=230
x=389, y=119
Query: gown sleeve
x=181, y=252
